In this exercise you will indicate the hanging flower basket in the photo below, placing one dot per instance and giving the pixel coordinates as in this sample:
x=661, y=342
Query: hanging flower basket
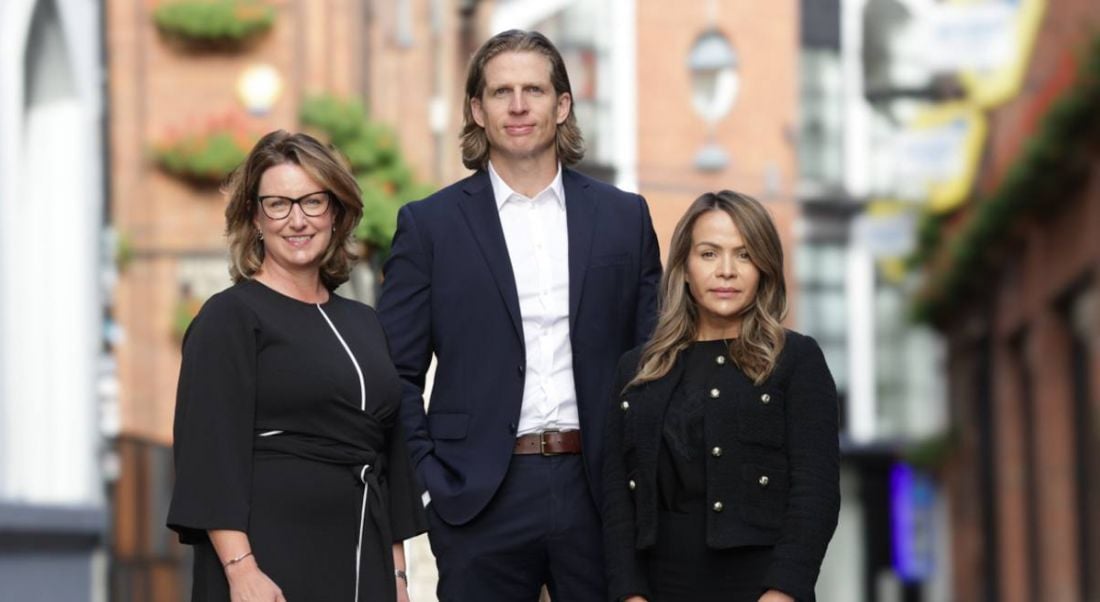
x=213, y=25
x=204, y=154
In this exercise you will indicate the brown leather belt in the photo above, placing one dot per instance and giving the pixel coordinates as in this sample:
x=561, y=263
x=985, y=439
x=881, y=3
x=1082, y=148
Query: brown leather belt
x=549, y=443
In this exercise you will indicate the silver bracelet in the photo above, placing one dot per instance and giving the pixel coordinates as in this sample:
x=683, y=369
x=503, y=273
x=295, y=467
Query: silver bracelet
x=232, y=561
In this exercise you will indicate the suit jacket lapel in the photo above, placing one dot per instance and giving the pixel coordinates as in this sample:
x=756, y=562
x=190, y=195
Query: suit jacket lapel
x=480, y=209
x=580, y=216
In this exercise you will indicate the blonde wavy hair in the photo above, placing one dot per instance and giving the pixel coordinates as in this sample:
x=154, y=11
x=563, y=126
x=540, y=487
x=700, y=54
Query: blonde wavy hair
x=327, y=167
x=757, y=347
x=569, y=142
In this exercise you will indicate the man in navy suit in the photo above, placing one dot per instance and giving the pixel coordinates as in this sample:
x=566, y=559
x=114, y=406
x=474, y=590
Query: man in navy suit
x=527, y=281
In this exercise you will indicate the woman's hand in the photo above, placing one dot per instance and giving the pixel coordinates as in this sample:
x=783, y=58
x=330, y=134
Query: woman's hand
x=774, y=595
x=247, y=583
x=635, y=599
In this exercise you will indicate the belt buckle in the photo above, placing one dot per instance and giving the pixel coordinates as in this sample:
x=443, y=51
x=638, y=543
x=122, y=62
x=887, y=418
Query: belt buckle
x=542, y=442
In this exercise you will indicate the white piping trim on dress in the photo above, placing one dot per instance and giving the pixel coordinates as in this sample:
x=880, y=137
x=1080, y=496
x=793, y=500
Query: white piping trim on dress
x=366, y=467
x=362, y=390
x=270, y=433
x=362, y=518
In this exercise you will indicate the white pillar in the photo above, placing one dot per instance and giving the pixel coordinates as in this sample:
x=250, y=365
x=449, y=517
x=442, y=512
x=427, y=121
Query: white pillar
x=624, y=101
x=862, y=411
x=51, y=206
x=857, y=112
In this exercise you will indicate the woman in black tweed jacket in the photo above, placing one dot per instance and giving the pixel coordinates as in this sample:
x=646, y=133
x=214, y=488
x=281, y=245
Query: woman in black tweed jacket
x=721, y=477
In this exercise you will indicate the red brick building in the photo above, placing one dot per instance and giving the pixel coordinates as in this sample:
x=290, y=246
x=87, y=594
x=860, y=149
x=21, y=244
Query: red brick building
x=757, y=134
x=1015, y=289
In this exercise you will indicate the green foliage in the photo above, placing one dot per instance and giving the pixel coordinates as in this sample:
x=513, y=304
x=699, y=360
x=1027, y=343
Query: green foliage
x=202, y=159
x=1052, y=158
x=372, y=150
x=124, y=251
x=932, y=452
x=214, y=22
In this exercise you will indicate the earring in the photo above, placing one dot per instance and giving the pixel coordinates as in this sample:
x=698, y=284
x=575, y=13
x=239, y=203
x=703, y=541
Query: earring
x=260, y=235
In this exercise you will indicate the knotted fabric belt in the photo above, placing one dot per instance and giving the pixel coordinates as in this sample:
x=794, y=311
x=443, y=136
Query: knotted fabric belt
x=364, y=464
x=549, y=443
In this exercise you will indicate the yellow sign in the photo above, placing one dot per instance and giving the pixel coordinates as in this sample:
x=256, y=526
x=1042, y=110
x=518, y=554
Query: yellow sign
x=940, y=152
x=998, y=85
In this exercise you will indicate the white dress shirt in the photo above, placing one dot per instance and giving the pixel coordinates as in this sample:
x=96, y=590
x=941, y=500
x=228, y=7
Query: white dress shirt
x=538, y=247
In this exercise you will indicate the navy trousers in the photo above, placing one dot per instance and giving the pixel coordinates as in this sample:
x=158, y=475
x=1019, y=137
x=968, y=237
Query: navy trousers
x=541, y=527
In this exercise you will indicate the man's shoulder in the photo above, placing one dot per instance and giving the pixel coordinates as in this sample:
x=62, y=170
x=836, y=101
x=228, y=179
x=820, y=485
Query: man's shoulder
x=598, y=188
x=447, y=195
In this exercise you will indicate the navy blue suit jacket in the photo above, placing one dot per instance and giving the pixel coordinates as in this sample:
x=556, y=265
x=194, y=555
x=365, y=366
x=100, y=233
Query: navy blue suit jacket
x=449, y=290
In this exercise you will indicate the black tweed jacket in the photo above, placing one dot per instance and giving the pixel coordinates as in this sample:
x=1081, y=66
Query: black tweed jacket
x=772, y=467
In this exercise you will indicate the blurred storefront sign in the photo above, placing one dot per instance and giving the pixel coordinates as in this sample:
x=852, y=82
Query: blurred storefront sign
x=987, y=42
x=886, y=229
x=912, y=519
x=939, y=153
x=972, y=36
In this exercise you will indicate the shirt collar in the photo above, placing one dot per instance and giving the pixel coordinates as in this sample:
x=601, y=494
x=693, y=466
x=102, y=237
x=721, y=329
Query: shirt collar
x=502, y=192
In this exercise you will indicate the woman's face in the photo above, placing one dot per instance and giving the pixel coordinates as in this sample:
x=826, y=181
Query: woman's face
x=721, y=277
x=297, y=241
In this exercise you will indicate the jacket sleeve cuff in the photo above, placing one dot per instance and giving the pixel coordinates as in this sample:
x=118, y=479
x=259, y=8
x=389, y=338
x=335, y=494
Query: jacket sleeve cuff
x=792, y=579
x=631, y=582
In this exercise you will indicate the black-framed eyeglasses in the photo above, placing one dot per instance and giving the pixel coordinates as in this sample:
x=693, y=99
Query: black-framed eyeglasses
x=314, y=204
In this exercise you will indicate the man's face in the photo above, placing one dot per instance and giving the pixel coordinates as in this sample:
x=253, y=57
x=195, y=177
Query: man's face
x=518, y=108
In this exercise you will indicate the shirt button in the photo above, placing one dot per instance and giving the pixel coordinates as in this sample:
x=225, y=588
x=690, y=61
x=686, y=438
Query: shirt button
x=625, y=405
x=716, y=452
x=763, y=480
x=718, y=507
x=721, y=359
x=631, y=484
x=765, y=398
x=714, y=393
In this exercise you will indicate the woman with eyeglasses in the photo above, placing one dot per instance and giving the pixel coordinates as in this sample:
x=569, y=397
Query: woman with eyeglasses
x=721, y=463
x=292, y=476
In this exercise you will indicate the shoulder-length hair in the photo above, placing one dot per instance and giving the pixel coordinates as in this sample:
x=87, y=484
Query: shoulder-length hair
x=327, y=167
x=761, y=339
x=569, y=142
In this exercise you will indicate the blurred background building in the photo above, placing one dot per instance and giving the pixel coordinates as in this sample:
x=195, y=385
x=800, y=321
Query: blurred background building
x=930, y=164
x=53, y=510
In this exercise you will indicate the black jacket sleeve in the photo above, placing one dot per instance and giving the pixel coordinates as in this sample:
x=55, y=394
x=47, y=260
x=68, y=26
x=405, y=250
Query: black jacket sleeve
x=813, y=455
x=213, y=430
x=625, y=571
x=649, y=280
x=404, y=308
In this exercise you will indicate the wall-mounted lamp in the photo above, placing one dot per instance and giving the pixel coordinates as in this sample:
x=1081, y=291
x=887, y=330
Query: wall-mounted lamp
x=715, y=83
x=258, y=88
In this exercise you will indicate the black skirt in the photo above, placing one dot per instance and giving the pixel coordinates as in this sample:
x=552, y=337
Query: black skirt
x=683, y=569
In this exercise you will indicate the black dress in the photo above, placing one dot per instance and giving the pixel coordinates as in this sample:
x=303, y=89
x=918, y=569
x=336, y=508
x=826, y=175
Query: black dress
x=287, y=428
x=681, y=566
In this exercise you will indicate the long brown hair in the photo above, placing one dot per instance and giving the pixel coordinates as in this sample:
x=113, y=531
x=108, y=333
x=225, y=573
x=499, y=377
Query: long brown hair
x=327, y=167
x=761, y=339
x=569, y=143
